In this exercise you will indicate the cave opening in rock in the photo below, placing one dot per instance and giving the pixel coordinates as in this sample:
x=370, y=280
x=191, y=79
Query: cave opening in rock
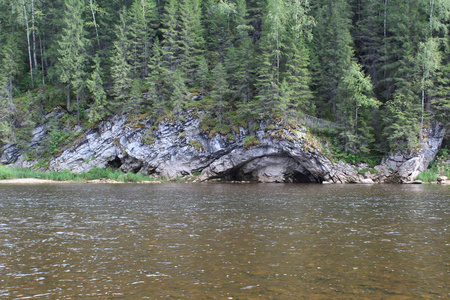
x=298, y=177
x=276, y=169
x=115, y=163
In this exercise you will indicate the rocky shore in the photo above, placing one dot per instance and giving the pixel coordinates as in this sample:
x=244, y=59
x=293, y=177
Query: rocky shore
x=173, y=148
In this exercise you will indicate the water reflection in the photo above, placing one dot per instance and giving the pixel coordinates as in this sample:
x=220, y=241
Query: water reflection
x=224, y=241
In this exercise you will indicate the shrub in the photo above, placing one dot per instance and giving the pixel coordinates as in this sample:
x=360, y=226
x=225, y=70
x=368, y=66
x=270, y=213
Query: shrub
x=250, y=141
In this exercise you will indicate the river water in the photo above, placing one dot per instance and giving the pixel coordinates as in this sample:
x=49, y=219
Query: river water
x=224, y=241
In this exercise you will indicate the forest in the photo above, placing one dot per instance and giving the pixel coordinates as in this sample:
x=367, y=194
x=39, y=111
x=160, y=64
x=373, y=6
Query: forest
x=379, y=70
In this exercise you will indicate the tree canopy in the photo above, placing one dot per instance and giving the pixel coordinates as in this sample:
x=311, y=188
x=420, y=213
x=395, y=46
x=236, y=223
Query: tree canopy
x=377, y=69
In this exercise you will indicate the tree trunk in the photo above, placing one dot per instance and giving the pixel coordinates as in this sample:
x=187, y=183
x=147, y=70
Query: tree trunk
x=42, y=61
x=10, y=90
x=423, y=108
x=95, y=22
x=385, y=19
x=431, y=17
x=68, y=97
x=28, y=41
x=78, y=108
x=33, y=25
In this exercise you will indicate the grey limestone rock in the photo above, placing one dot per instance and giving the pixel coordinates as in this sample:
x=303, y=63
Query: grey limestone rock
x=178, y=147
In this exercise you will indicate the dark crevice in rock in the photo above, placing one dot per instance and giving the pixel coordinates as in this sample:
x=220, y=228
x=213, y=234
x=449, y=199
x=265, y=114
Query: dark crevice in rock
x=115, y=163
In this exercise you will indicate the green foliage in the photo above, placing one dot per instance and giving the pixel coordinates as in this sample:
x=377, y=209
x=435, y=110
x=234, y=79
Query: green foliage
x=65, y=175
x=95, y=85
x=251, y=141
x=197, y=145
x=338, y=151
x=58, y=138
x=377, y=68
x=439, y=167
x=428, y=176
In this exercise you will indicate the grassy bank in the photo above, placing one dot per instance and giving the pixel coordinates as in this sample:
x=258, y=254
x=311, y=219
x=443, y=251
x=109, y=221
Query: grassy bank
x=94, y=174
x=439, y=167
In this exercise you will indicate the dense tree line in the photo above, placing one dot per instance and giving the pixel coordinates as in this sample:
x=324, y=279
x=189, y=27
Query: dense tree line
x=378, y=68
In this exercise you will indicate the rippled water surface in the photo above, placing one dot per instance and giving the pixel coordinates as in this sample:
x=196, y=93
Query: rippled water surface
x=224, y=241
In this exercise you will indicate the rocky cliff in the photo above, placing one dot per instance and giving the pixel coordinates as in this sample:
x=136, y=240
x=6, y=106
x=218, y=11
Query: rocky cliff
x=173, y=148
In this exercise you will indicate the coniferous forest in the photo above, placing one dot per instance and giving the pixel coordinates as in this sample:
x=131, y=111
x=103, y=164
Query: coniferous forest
x=378, y=69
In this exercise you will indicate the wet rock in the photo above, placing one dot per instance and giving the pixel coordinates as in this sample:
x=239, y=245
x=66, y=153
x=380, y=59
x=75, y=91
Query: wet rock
x=367, y=181
x=442, y=179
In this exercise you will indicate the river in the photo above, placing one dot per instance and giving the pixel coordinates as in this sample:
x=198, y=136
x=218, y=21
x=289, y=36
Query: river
x=224, y=241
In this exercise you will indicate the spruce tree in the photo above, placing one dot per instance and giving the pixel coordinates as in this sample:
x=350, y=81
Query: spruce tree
x=73, y=51
x=296, y=56
x=219, y=91
x=98, y=110
x=142, y=32
x=170, y=48
x=333, y=53
x=191, y=42
x=268, y=81
x=121, y=71
x=179, y=93
x=158, y=81
x=8, y=69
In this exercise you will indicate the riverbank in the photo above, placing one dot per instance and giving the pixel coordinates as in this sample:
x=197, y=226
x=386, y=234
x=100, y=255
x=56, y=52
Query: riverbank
x=180, y=180
x=44, y=181
x=96, y=175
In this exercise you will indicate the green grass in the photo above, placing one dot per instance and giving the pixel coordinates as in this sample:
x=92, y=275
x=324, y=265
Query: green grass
x=95, y=173
x=437, y=168
x=428, y=176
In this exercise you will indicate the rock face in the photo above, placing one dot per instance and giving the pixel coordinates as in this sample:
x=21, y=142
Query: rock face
x=173, y=148
x=407, y=166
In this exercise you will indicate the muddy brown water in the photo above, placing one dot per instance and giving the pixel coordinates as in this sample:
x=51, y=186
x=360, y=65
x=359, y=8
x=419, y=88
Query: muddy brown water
x=224, y=241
